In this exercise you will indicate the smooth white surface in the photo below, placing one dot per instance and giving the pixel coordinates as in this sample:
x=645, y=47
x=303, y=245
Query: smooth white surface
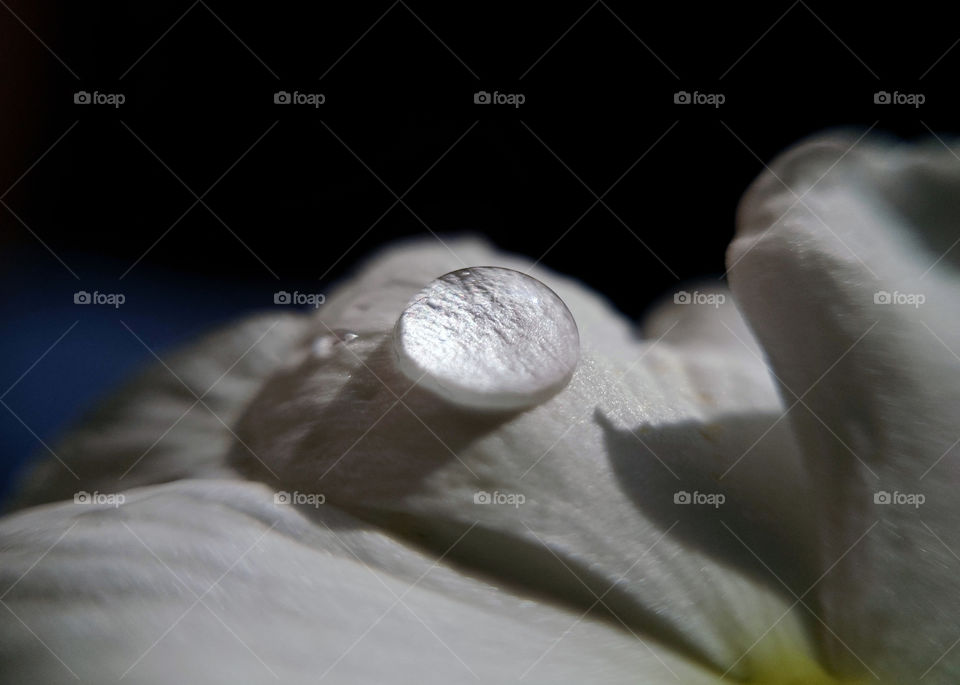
x=488, y=338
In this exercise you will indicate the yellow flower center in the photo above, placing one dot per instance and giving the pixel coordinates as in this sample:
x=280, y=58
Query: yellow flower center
x=795, y=668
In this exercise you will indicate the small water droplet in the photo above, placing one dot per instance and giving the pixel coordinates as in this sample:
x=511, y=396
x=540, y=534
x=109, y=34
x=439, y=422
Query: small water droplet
x=325, y=346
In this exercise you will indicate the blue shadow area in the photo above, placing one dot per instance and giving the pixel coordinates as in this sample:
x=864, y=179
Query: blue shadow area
x=58, y=357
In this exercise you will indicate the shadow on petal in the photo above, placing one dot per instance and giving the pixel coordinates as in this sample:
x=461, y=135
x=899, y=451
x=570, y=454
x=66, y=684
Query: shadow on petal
x=373, y=435
x=740, y=504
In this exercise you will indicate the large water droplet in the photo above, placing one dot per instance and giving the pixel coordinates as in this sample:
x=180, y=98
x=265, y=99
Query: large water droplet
x=488, y=338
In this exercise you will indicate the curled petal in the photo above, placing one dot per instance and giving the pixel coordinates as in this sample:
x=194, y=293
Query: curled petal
x=846, y=268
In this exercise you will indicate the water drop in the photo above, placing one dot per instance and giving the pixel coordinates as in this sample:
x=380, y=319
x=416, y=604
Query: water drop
x=325, y=346
x=488, y=338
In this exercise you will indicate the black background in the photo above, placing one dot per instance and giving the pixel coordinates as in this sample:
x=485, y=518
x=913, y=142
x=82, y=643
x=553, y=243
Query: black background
x=101, y=197
x=598, y=96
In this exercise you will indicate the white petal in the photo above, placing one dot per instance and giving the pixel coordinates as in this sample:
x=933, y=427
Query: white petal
x=837, y=246
x=210, y=582
x=598, y=466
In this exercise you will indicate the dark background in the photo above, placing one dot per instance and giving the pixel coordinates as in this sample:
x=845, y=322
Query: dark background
x=98, y=198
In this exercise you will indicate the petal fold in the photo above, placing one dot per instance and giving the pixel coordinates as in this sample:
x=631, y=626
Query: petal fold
x=845, y=264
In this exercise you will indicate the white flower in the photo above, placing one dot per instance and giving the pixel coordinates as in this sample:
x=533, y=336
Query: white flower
x=717, y=501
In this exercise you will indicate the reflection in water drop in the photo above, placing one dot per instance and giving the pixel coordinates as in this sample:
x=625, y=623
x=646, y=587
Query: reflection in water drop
x=488, y=338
